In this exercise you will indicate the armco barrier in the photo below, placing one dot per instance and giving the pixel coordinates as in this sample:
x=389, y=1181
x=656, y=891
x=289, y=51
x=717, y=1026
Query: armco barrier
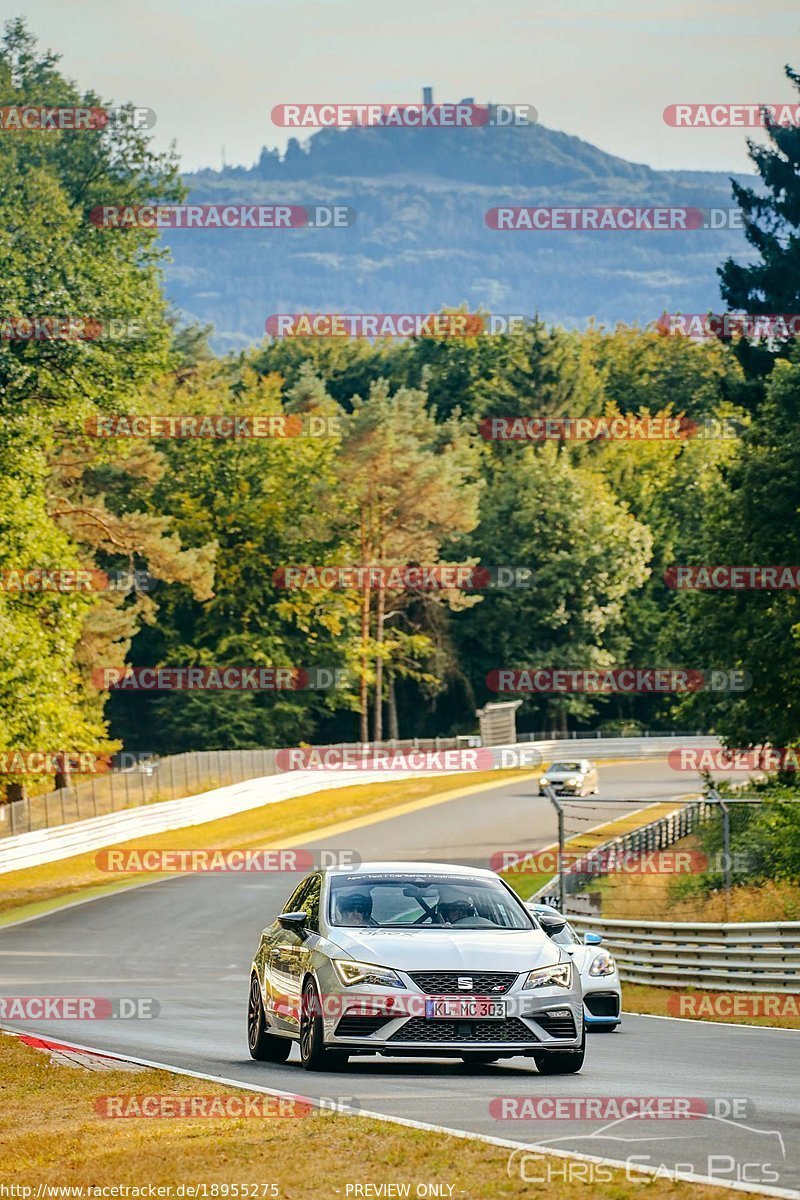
x=755, y=957
x=63, y=841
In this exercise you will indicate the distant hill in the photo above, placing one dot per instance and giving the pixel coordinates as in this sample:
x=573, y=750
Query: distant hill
x=420, y=240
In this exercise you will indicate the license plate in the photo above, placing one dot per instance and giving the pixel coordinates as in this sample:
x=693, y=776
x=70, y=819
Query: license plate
x=476, y=1009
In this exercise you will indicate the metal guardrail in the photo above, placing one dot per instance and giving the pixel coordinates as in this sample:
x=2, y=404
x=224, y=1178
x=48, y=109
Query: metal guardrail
x=739, y=957
x=154, y=780
x=38, y=846
x=569, y=735
x=747, y=957
x=656, y=835
x=64, y=841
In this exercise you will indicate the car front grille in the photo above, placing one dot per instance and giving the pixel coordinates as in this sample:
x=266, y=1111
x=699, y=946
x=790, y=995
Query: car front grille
x=445, y=983
x=602, y=1004
x=419, y=1029
x=558, y=1027
x=359, y=1025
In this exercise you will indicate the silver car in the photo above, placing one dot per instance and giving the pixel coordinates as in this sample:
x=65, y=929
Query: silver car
x=414, y=960
x=577, y=777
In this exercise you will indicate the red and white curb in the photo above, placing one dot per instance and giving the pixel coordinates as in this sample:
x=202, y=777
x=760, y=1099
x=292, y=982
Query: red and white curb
x=67, y=1055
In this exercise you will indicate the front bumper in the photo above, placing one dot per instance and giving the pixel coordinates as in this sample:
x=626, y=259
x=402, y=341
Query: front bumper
x=369, y=1022
x=602, y=1006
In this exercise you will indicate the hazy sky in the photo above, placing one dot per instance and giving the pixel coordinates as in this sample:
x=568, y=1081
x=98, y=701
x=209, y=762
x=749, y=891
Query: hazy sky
x=601, y=69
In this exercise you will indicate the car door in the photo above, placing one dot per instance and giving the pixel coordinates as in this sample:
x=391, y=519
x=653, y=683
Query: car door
x=278, y=989
x=292, y=953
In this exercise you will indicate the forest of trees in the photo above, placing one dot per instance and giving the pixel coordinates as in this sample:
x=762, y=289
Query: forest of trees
x=403, y=477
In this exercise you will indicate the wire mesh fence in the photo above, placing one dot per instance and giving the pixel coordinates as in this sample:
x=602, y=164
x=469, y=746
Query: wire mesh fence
x=151, y=780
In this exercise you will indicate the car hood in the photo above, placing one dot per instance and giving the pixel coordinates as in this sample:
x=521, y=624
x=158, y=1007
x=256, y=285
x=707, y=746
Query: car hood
x=442, y=950
x=582, y=955
x=564, y=774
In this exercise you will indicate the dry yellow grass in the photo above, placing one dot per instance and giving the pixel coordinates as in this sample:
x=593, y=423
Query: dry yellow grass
x=51, y=1133
x=641, y=896
x=654, y=1001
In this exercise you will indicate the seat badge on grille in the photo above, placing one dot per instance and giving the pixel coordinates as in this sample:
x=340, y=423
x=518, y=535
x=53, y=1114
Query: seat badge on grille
x=465, y=983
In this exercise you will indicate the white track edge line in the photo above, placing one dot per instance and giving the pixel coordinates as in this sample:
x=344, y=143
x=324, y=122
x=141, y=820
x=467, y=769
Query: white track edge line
x=410, y=1123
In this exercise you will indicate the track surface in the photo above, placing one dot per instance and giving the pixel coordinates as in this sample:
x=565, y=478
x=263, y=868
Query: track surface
x=188, y=943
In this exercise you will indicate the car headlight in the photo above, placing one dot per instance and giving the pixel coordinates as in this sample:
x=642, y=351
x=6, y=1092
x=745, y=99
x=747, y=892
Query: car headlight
x=603, y=965
x=559, y=975
x=573, y=782
x=544, y=781
x=351, y=971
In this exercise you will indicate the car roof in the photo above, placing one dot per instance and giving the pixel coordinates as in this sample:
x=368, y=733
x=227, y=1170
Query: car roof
x=412, y=869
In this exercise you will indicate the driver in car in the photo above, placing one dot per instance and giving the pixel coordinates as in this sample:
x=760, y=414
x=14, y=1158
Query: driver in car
x=456, y=907
x=355, y=909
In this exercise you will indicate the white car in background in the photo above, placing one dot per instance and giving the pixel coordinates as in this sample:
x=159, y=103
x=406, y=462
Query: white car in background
x=602, y=990
x=576, y=777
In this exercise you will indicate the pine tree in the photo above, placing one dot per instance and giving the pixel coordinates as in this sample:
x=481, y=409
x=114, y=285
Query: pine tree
x=772, y=227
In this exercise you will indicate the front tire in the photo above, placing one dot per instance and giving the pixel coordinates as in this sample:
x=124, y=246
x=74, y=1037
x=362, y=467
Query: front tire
x=561, y=1062
x=263, y=1046
x=314, y=1054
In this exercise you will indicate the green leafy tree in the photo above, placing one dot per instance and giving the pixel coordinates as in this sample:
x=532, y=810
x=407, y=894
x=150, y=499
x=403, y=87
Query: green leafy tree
x=587, y=553
x=55, y=264
x=407, y=485
x=752, y=519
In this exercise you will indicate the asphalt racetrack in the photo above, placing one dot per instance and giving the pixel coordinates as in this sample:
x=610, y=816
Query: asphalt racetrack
x=188, y=943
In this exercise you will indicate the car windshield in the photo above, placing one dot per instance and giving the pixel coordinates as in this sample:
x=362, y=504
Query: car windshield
x=424, y=901
x=566, y=767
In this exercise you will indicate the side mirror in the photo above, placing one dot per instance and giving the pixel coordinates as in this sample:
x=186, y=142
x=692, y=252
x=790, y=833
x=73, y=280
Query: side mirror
x=592, y=939
x=293, y=920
